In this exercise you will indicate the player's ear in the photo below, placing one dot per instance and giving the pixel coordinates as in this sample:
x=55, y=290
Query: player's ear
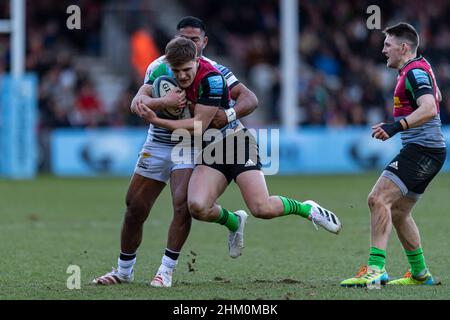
x=404, y=48
x=205, y=40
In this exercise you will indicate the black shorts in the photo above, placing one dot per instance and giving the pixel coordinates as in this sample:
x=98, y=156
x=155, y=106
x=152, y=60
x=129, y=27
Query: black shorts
x=235, y=154
x=414, y=167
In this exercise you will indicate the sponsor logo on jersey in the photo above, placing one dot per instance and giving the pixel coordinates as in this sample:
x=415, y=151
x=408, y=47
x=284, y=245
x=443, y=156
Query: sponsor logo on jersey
x=397, y=103
x=422, y=78
x=215, y=85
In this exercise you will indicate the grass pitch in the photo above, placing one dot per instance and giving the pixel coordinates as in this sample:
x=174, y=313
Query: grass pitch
x=50, y=223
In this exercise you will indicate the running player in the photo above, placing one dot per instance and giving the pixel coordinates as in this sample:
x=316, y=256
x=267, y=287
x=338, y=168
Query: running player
x=207, y=90
x=155, y=167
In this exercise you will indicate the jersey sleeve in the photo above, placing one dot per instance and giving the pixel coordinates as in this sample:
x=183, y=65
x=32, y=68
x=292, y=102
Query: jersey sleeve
x=149, y=71
x=231, y=79
x=418, y=83
x=161, y=70
x=213, y=89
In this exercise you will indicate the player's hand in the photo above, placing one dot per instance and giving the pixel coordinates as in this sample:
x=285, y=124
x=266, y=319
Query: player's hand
x=145, y=112
x=384, y=131
x=135, y=102
x=146, y=100
x=379, y=133
x=175, y=99
x=220, y=120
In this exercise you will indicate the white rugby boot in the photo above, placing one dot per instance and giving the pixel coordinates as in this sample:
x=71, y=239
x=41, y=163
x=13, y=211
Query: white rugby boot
x=236, y=239
x=162, y=278
x=324, y=218
x=113, y=277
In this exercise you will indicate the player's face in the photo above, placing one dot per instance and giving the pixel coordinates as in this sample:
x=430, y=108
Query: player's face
x=185, y=73
x=196, y=35
x=392, y=49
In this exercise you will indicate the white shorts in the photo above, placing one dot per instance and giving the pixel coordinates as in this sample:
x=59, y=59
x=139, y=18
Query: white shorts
x=156, y=162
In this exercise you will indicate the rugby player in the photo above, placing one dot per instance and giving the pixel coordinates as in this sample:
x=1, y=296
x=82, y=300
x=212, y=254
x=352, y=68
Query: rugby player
x=155, y=167
x=405, y=178
x=207, y=90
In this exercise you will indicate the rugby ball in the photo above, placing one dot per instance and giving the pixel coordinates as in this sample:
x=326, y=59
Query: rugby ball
x=162, y=86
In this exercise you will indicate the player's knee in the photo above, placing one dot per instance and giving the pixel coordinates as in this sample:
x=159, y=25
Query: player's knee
x=137, y=212
x=180, y=209
x=198, y=209
x=374, y=200
x=181, y=213
x=381, y=198
x=179, y=200
x=379, y=207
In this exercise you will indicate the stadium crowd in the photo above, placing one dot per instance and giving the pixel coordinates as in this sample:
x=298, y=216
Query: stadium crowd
x=66, y=95
x=343, y=79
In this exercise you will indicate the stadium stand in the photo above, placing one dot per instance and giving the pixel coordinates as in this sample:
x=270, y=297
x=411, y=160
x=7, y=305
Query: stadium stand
x=342, y=77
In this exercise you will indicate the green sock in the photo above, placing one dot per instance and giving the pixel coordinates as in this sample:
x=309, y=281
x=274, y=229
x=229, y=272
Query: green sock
x=416, y=261
x=377, y=258
x=292, y=206
x=229, y=219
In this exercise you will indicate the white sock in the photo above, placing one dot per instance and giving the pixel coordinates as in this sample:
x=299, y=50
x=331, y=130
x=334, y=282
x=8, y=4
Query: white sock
x=125, y=267
x=167, y=264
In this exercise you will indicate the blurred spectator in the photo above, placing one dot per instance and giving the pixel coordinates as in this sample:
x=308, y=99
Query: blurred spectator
x=50, y=48
x=343, y=79
x=143, y=50
x=88, y=110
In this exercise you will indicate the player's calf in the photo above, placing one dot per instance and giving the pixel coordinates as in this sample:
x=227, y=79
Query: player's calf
x=263, y=211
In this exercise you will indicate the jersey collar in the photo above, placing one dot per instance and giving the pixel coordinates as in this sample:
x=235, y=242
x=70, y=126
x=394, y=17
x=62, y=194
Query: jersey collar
x=410, y=61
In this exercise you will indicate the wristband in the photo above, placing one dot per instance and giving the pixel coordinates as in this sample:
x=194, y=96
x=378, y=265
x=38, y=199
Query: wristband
x=231, y=114
x=406, y=122
x=392, y=128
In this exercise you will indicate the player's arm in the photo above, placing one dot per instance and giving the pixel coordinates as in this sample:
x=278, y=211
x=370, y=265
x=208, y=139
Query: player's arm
x=213, y=93
x=144, y=91
x=245, y=100
x=175, y=98
x=438, y=94
x=246, y=103
x=144, y=94
x=420, y=86
x=196, y=125
x=425, y=111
